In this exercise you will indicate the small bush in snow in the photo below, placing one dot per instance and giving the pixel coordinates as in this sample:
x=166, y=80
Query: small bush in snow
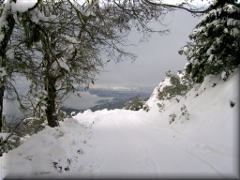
x=146, y=107
x=173, y=117
x=178, y=84
x=161, y=107
x=185, y=112
x=135, y=104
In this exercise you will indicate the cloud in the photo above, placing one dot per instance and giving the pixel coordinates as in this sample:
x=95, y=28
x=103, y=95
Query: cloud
x=155, y=57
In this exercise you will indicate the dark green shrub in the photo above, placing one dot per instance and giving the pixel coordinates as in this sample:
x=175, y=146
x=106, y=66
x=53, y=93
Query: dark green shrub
x=180, y=84
x=135, y=104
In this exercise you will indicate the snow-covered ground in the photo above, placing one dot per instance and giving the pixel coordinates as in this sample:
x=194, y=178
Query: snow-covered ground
x=202, y=141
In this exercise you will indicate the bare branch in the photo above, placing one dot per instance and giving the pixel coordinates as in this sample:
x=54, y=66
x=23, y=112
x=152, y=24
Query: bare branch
x=194, y=11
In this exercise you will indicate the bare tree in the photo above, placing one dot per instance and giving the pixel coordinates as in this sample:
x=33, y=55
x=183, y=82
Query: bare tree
x=72, y=37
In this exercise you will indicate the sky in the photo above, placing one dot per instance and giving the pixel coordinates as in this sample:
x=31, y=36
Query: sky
x=154, y=57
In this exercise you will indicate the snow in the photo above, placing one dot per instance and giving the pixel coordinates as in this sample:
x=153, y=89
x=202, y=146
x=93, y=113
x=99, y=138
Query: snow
x=2, y=72
x=231, y=8
x=22, y=5
x=185, y=50
x=223, y=75
x=60, y=64
x=225, y=30
x=4, y=136
x=233, y=22
x=10, y=54
x=235, y=32
x=200, y=142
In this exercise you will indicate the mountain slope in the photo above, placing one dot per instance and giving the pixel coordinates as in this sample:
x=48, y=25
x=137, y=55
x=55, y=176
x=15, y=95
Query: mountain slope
x=194, y=136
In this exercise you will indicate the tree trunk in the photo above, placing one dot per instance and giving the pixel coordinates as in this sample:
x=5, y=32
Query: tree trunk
x=2, y=88
x=51, y=101
x=6, y=30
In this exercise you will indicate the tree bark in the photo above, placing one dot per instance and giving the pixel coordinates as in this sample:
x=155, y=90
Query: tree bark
x=50, y=101
x=1, y=105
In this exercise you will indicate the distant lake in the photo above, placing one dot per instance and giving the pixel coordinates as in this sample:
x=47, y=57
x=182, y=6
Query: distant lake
x=87, y=100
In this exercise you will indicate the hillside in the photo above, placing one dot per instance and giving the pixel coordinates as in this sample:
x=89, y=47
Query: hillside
x=195, y=136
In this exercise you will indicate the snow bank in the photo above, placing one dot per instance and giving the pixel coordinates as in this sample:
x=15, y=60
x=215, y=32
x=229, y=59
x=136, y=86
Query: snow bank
x=4, y=136
x=195, y=136
x=207, y=119
x=49, y=152
x=23, y=5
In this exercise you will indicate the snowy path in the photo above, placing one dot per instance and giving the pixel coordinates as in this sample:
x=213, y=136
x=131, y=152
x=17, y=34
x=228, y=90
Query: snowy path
x=138, y=144
x=128, y=146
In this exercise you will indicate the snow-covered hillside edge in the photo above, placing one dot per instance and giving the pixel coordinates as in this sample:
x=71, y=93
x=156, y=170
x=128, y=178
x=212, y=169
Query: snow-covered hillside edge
x=191, y=135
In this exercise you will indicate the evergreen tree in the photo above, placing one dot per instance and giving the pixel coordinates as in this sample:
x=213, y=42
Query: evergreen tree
x=216, y=42
x=135, y=104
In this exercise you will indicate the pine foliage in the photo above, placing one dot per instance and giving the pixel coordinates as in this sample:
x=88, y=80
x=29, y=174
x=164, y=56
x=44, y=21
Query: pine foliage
x=216, y=42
